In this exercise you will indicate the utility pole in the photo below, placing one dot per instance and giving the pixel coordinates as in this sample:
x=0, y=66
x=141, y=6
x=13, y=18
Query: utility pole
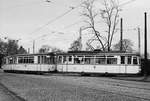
x=139, y=41
x=121, y=32
x=33, y=46
x=28, y=50
x=145, y=46
x=80, y=38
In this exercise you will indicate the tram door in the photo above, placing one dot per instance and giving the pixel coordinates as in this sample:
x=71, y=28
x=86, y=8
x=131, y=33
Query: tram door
x=39, y=63
x=62, y=63
x=65, y=66
x=123, y=66
x=72, y=63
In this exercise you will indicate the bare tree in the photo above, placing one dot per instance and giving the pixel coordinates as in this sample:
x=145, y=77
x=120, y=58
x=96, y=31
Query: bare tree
x=47, y=49
x=91, y=15
x=127, y=45
x=21, y=50
x=76, y=45
x=3, y=47
x=11, y=47
x=109, y=13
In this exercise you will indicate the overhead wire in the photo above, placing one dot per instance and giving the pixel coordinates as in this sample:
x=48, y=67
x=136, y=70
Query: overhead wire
x=53, y=20
x=128, y=2
x=119, y=5
x=65, y=13
x=68, y=26
x=22, y=5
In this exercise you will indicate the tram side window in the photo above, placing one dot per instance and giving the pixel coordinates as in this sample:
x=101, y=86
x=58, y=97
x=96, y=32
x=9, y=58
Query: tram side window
x=31, y=60
x=129, y=58
x=42, y=59
x=38, y=59
x=20, y=59
x=70, y=58
x=89, y=60
x=111, y=60
x=79, y=60
x=10, y=60
x=135, y=60
x=64, y=59
x=76, y=61
x=59, y=59
x=15, y=60
x=25, y=59
x=48, y=60
x=122, y=59
x=51, y=60
x=100, y=60
x=45, y=59
x=28, y=60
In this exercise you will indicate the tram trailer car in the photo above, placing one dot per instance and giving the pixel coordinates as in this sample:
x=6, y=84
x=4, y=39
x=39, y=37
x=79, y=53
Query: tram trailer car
x=87, y=62
x=30, y=63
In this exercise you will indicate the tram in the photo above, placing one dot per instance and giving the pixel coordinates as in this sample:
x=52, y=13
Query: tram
x=87, y=62
x=29, y=63
x=83, y=62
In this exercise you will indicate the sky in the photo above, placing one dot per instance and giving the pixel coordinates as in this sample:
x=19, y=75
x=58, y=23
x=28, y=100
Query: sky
x=56, y=24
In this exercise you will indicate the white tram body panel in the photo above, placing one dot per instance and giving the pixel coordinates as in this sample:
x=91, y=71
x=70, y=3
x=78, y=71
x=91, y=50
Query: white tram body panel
x=115, y=69
x=29, y=67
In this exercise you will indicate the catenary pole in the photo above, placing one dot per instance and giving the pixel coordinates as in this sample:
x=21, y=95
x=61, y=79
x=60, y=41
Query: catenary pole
x=145, y=45
x=33, y=46
x=121, y=32
x=139, y=41
x=80, y=38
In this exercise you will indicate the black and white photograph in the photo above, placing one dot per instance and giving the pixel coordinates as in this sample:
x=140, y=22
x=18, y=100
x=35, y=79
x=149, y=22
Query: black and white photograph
x=74, y=50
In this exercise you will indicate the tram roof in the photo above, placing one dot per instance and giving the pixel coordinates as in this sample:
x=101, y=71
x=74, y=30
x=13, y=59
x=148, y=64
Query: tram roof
x=32, y=54
x=79, y=53
x=97, y=53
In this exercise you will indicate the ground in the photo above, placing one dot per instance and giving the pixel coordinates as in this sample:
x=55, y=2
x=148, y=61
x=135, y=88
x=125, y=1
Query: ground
x=6, y=95
x=74, y=88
